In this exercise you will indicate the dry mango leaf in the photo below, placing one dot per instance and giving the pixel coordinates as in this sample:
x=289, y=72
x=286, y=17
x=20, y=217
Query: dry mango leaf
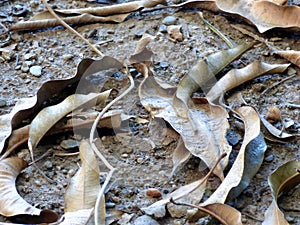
x=237, y=77
x=202, y=75
x=83, y=189
x=113, y=13
x=265, y=15
x=203, y=132
x=234, y=176
x=49, y=116
x=28, y=107
x=78, y=217
x=290, y=55
x=11, y=203
x=283, y=178
x=191, y=192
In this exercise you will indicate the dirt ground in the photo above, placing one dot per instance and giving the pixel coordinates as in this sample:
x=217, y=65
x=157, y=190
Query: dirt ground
x=142, y=153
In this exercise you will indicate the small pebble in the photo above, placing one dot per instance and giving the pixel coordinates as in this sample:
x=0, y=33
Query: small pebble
x=38, y=183
x=163, y=28
x=169, y=20
x=110, y=204
x=140, y=160
x=29, y=56
x=175, y=32
x=2, y=59
x=291, y=71
x=69, y=144
x=3, y=102
x=145, y=220
x=290, y=219
x=153, y=192
x=139, y=33
x=67, y=57
x=116, y=199
x=71, y=172
x=48, y=164
x=269, y=158
x=24, y=68
x=164, y=65
x=274, y=114
x=36, y=71
x=125, y=155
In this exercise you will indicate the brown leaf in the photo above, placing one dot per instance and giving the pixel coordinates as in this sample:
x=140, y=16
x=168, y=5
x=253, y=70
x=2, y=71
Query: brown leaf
x=203, y=132
x=265, y=15
x=142, y=53
x=78, y=217
x=234, y=176
x=283, y=178
x=49, y=116
x=28, y=107
x=291, y=55
x=237, y=77
x=112, y=13
x=11, y=203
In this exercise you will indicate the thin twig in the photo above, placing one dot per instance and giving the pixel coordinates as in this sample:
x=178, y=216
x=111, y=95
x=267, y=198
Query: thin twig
x=71, y=29
x=277, y=83
x=98, y=153
x=216, y=31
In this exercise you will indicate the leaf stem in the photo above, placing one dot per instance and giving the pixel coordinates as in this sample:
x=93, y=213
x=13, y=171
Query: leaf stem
x=72, y=30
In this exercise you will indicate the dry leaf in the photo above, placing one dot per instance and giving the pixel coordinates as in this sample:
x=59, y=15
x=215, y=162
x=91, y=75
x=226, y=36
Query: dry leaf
x=83, y=189
x=179, y=156
x=142, y=53
x=234, y=176
x=28, y=107
x=291, y=55
x=283, y=178
x=11, y=203
x=202, y=75
x=112, y=13
x=203, y=132
x=49, y=116
x=237, y=77
x=78, y=217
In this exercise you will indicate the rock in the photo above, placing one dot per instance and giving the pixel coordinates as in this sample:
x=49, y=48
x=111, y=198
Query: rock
x=67, y=57
x=169, y=20
x=139, y=33
x=36, y=71
x=69, y=144
x=2, y=102
x=29, y=56
x=163, y=28
x=269, y=158
x=274, y=114
x=110, y=204
x=233, y=138
x=48, y=164
x=24, y=68
x=164, y=65
x=153, y=192
x=145, y=220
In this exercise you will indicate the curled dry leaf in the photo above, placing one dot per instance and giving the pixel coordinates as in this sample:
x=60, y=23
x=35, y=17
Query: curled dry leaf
x=11, y=203
x=291, y=55
x=113, y=13
x=202, y=75
x=283, y=178
x=78, y=217
x=142, y=53
x=237, y=77
x=28, y=107
x=235, y=174
x=84, y=187
x=49, y=116
x=203, y=132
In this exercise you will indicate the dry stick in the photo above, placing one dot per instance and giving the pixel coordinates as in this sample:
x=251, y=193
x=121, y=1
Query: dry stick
x=94, y=147
x=71, y=29
x=277, y=83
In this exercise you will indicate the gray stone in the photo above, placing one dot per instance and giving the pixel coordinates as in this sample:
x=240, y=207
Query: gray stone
x=36, y=71
x=269, y=158
x=69, y=144
x=139, y=33
x=163, y=28
x=24, y=68
x=145, y=220
x=169, y=20
x=2, y=102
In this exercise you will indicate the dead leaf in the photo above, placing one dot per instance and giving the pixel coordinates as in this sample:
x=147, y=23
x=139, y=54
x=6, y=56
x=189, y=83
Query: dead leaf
x=78, y=217
x=113, y=13
x=49, y=116
x=179, y=156
x=202, y=75
x=203, y=132
x=142, y=53
x=290, y=55
x=28, y=107
x=235, y=174
x=175, y=32
x=274, y=115
x=12, y=204
x=283, y=178
x=191, y=192
x=237, y=77
x=84, y=187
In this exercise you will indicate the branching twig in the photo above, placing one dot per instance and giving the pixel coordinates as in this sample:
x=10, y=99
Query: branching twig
x=71, y=29
x=98, y=153
x=277, y=83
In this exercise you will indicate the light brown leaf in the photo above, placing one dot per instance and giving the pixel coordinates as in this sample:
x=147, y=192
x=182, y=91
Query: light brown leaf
x=11, y=203
x=290, y=55
x=28, y=107
x=49, y=116
x=265, y=15
x=234, y=176
x=142, y=53
x=78, y=217
x=112, y=13
x=203, y=132
x=237, y=77
x=284, y=177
